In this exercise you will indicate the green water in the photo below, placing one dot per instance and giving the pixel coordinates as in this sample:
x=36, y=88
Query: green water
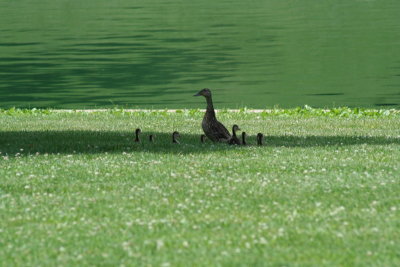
x=157, y=54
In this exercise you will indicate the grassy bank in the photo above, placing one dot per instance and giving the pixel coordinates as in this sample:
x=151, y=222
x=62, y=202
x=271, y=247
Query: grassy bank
x=76, y=190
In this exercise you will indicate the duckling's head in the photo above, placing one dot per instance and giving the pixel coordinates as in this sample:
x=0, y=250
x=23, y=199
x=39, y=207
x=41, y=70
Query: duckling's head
x=138, y=131
x=175, y=134
x=204, y=92
x=235, y=128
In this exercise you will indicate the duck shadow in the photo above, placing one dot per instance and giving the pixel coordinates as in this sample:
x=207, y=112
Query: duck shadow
x=93, y=142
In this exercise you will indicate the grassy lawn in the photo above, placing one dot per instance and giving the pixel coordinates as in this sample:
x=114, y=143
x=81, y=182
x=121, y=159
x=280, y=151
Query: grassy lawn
x=75, y=190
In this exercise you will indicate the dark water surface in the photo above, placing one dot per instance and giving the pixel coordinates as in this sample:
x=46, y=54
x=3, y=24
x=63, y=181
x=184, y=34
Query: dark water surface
x=157, y=54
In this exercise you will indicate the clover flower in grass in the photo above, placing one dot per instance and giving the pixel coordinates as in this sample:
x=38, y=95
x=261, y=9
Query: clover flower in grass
x=159, y=244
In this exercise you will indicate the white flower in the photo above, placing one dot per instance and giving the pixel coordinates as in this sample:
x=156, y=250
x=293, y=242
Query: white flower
x=262, y=241
x=159, y=244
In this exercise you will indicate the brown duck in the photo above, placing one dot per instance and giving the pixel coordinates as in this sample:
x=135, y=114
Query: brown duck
x=260, y=137
x=151, y=138
x=137, y=133
x=234, y=139
x=213, y=129
x=244, y=138
x=175, y=136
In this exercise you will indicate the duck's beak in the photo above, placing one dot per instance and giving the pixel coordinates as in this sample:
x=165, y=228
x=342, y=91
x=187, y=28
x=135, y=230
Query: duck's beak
x=198, y=94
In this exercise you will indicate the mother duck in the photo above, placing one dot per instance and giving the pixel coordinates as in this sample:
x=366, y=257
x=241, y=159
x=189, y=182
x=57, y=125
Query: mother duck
x=212, y=128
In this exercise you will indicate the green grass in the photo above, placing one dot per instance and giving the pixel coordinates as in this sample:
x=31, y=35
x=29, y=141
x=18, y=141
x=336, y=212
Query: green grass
x=75, y=190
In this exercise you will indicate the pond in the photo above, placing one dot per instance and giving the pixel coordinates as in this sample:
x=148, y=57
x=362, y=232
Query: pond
x=157, y=54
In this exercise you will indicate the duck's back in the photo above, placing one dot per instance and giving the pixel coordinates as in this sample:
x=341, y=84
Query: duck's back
x=214, y=130
x=234, y=141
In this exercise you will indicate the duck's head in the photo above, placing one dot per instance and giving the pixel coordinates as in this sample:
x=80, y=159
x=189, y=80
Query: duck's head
x=204, y=92
x=138, y=131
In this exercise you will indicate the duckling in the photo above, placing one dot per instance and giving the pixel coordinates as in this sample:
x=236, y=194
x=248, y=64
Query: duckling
x=244, y=138
x=174, y=136
x=213, y=129
x=260, y=137
x=234, y=140
x=202, y=138
x=151, y=138
x=137, y=133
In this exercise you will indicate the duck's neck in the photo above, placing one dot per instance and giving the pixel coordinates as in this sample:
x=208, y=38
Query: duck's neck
x=210, y=107
x=233, y=132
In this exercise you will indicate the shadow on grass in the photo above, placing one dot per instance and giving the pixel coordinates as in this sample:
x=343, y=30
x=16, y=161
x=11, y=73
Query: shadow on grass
x=91, y=142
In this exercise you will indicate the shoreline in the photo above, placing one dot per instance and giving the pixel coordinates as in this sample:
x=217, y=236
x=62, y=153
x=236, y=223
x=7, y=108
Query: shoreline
x=242, y=110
